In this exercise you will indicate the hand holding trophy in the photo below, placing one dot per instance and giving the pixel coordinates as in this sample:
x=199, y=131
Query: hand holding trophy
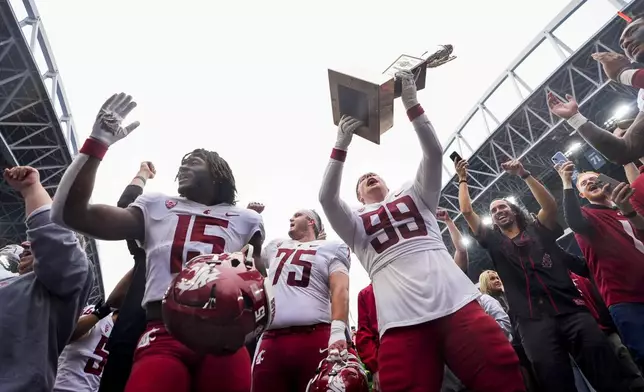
x=373, y=102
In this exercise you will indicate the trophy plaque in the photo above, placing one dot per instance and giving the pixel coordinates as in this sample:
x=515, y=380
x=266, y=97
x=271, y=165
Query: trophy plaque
x=372, y=102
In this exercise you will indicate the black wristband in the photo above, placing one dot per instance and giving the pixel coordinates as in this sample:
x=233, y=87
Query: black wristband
x=630, y=215
x=526, y=175
x=143, y=179
x=102, y=311
x=460, y=181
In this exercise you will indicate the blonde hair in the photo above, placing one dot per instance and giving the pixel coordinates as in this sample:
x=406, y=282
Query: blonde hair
x=484, y=281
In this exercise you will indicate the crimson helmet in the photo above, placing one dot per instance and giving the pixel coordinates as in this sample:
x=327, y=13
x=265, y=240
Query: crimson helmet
x=218, y=303
x=346, y=376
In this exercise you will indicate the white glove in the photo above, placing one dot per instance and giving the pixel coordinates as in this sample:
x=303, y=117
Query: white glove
x=107, y=127
x=408, y=95
x=347, y=126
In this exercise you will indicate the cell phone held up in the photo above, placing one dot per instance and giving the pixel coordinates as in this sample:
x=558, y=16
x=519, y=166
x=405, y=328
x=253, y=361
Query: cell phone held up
x=455, y=157
x=603, y=180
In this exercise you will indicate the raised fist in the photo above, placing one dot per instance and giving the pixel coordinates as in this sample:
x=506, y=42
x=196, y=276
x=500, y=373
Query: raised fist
x=108, y=127
x=442, y=215
x=513, y=167
x=257, y=207
x=21, y=177
x=147, y=170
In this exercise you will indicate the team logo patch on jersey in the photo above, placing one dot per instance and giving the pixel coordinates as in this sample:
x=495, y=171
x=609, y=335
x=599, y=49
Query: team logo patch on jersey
x=547, y=261
x=207, y=212
x=147, y=338
x=170, y=204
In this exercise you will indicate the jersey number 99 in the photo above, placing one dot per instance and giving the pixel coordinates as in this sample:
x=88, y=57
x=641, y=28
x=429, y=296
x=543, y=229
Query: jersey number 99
x=385, y=226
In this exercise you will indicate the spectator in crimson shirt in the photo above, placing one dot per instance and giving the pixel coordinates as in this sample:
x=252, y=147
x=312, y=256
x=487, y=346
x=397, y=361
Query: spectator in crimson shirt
x=610, y=233
x=367, y=338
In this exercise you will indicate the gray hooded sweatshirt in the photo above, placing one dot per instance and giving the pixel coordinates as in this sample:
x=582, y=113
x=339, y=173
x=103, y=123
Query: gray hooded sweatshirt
x=39, y=310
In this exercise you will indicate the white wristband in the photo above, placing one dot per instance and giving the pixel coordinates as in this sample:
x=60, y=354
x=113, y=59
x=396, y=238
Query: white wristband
x=338, y=329
x=577, y=120
x=626, y=76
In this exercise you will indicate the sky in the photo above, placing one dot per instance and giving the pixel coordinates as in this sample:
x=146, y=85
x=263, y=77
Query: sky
x=249, y=80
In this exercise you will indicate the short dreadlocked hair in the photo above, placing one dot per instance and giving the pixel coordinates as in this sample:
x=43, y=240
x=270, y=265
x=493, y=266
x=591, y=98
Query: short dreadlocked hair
x=225, y=189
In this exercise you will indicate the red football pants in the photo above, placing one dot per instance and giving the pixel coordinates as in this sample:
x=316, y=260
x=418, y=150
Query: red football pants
x=162, y=364
x=286, y=359
x=412, y=359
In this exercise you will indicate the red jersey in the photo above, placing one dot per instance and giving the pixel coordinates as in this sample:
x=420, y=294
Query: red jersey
x=367, y=337
x=585, y=287
x=615, y=255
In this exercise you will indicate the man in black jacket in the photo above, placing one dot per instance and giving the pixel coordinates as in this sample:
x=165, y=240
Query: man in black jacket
x=131, y=322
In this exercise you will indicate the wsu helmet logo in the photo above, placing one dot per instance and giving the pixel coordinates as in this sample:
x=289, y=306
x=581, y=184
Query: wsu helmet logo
x=336, y=384
x=201, y=275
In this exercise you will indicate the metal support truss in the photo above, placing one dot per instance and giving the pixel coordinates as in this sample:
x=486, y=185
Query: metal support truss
x=36, y=126
x=530, y=133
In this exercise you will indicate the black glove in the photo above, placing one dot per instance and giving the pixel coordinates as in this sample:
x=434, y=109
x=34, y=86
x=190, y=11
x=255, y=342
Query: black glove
x=102, y=310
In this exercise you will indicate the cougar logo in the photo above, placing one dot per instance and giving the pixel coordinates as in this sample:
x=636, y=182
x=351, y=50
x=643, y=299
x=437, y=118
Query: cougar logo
x=203, y=274
x=547, y=261
x=147, y=338
x=260, y=357
x=336, y=384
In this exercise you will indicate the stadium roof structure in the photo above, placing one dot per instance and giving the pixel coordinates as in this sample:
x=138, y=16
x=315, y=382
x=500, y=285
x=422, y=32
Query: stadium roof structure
x=36, y=125
x=528, y=131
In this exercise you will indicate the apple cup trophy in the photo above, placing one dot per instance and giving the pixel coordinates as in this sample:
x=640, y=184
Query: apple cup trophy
x=373, y=102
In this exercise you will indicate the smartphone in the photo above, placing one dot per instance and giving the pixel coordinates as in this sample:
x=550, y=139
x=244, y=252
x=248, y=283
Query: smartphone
x=455, y=157
x=603, y=179
x=559, y=158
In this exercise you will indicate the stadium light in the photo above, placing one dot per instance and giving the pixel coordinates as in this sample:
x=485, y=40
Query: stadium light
x=487, y=220
x=466, y=241
x=572, y=148
x=622, y=111
x=511, y=199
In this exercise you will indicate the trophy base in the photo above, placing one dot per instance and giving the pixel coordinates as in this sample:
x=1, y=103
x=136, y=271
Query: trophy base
x=372, y=103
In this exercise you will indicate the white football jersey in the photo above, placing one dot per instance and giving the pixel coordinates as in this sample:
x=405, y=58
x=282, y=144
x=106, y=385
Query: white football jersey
x=81, y=363
x=415, y=279
x=299, y=273
x=177, y=229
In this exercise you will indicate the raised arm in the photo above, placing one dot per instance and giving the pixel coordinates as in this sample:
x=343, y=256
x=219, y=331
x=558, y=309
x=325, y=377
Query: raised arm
x=87, y=321
x=429, y=174
x=460, y=256
x=71, y=207
x=548, y=213
x=60, y=264
x=464, y=200
x=572, y=211
x=620, y=150
x=336, y=210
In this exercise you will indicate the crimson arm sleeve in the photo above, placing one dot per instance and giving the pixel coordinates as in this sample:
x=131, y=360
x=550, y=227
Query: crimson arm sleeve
x=366, y=338
x=619, y=150
x=429, y=175
x=336, y=210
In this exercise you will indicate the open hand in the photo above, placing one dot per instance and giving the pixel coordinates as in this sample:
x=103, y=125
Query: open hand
x=613, y=63
x=21, y=177
x=563, y=109
x=108, y=127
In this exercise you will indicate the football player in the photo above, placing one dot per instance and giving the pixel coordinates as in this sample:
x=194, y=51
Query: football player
x=81, y=363
x=427, y=309
x=172, y=230
x=310, y=280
